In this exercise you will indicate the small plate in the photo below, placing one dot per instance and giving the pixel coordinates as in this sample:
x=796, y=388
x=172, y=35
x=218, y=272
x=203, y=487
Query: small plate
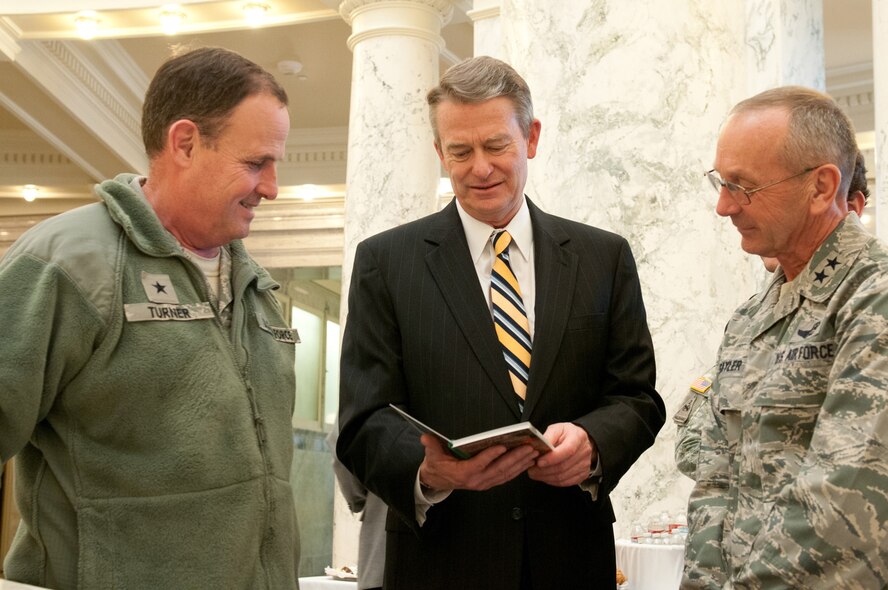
x=343, y=573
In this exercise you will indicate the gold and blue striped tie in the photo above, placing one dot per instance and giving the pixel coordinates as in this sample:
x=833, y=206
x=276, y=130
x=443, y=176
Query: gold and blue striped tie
x=509, y=315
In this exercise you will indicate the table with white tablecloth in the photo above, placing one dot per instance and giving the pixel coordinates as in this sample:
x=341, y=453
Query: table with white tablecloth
x=310, y=583
x=650, y=567
x=9, y=585
x=647, y=567
x=326, y=583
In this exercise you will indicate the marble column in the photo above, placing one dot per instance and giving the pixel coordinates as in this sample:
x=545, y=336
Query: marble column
x=880, y=102
x=392, y=171
x=784, y=44
x=485, y=15
x=631, y=96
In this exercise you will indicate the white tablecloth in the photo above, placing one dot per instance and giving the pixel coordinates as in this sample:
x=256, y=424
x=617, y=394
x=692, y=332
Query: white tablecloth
x=312, y=583
x=325, y=583
x=7, y=585
x=650, y=567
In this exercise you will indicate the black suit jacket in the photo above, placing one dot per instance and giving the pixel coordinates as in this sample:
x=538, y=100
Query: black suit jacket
x=419, y=334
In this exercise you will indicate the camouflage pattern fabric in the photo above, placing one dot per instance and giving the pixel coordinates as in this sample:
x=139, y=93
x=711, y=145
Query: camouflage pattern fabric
x=226, y=297
x=792, y=479
x=689, y=421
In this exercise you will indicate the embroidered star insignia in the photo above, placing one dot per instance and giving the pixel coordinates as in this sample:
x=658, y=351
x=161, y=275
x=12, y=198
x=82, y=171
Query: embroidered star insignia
x=160, y=288
x=832, y=262
x=820, y=276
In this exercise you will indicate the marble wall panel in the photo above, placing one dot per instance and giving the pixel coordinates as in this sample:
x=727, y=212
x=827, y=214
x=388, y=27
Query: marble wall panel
x=631, y=96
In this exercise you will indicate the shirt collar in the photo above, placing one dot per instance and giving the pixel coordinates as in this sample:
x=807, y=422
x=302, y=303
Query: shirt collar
x=478, y=233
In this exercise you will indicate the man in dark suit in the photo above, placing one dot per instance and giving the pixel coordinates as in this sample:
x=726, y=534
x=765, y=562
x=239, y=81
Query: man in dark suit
x=444, y=324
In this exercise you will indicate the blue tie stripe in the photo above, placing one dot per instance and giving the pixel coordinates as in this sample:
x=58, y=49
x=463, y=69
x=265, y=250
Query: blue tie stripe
x=515, y=330
x=503, y=287
x=516, y=366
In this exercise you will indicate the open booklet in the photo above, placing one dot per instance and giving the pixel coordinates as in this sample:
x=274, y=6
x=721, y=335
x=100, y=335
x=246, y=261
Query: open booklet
x=510, y=436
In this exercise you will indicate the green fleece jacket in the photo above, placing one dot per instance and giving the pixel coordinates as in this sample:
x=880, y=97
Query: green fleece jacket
x=153, y=448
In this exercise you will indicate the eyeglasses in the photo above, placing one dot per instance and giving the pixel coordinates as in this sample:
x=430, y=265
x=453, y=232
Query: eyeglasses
x=718, y=182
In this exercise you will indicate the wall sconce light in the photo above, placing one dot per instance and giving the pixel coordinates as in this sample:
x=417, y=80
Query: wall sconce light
x=171, y=17
x=254, y=12
x=87, y=23
x=29, y=192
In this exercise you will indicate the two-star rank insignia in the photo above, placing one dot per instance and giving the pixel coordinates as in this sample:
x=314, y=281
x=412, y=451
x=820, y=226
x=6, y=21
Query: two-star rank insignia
x=827, y=269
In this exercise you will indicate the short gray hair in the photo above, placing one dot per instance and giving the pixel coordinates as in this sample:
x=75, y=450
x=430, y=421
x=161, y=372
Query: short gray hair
x=478, y=79
x=819, y=131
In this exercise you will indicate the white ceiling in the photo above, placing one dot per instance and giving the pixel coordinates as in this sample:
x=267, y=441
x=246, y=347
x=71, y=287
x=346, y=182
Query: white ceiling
x=848, y=34
x=38, y=115
x=42, y=122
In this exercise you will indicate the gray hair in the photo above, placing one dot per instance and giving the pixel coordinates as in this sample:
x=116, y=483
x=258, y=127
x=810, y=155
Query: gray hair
x=819, y=131
x=478, y=79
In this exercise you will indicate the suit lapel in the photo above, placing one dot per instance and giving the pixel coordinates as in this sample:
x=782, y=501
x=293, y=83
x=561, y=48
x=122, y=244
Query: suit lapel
x=450, y=264
x=556, y=272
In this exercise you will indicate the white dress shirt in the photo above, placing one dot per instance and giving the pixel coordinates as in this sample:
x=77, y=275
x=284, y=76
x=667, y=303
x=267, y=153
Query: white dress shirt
x=478, y=236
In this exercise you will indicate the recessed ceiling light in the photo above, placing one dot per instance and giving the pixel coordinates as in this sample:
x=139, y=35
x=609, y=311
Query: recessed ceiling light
x=29, y=192
x=289, y=67
x=444, y=187
x=87, y=23
x=254, y=12
x=171, y=17
x=308, y=192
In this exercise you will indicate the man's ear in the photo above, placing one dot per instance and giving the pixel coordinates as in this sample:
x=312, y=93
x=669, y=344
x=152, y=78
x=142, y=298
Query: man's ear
x=826, y=179
x=182, y=138
x=533, y=137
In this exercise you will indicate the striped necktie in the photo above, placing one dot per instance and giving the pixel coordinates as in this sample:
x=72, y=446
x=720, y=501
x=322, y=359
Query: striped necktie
x=509, y=315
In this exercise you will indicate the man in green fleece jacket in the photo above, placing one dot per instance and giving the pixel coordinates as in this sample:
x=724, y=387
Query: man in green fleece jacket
x=146, y=371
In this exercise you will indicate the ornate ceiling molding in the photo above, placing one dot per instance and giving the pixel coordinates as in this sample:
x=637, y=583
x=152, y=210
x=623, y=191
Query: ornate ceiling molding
x=852, y=88
x=87, y=82
x=71, y=78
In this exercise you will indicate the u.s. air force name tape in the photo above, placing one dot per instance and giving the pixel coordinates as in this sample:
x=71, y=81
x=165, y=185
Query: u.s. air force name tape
x=154, y=312
x=286, y=335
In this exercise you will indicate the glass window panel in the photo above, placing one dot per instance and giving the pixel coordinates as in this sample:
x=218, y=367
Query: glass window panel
x=331, y=380
x=308, y=362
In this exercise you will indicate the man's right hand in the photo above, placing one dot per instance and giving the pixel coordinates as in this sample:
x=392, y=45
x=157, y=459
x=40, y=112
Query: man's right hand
x=491, y=467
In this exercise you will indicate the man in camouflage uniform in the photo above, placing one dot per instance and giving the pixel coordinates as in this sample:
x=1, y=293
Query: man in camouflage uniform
x=690, y=417
x=792, y=479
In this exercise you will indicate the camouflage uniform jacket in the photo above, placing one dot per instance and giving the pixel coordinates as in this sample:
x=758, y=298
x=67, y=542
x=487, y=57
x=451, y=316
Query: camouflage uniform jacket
x=153, y=445
x=792, y=484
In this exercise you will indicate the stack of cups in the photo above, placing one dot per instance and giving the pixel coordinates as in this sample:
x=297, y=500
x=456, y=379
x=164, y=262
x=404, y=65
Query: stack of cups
x=663, y=529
